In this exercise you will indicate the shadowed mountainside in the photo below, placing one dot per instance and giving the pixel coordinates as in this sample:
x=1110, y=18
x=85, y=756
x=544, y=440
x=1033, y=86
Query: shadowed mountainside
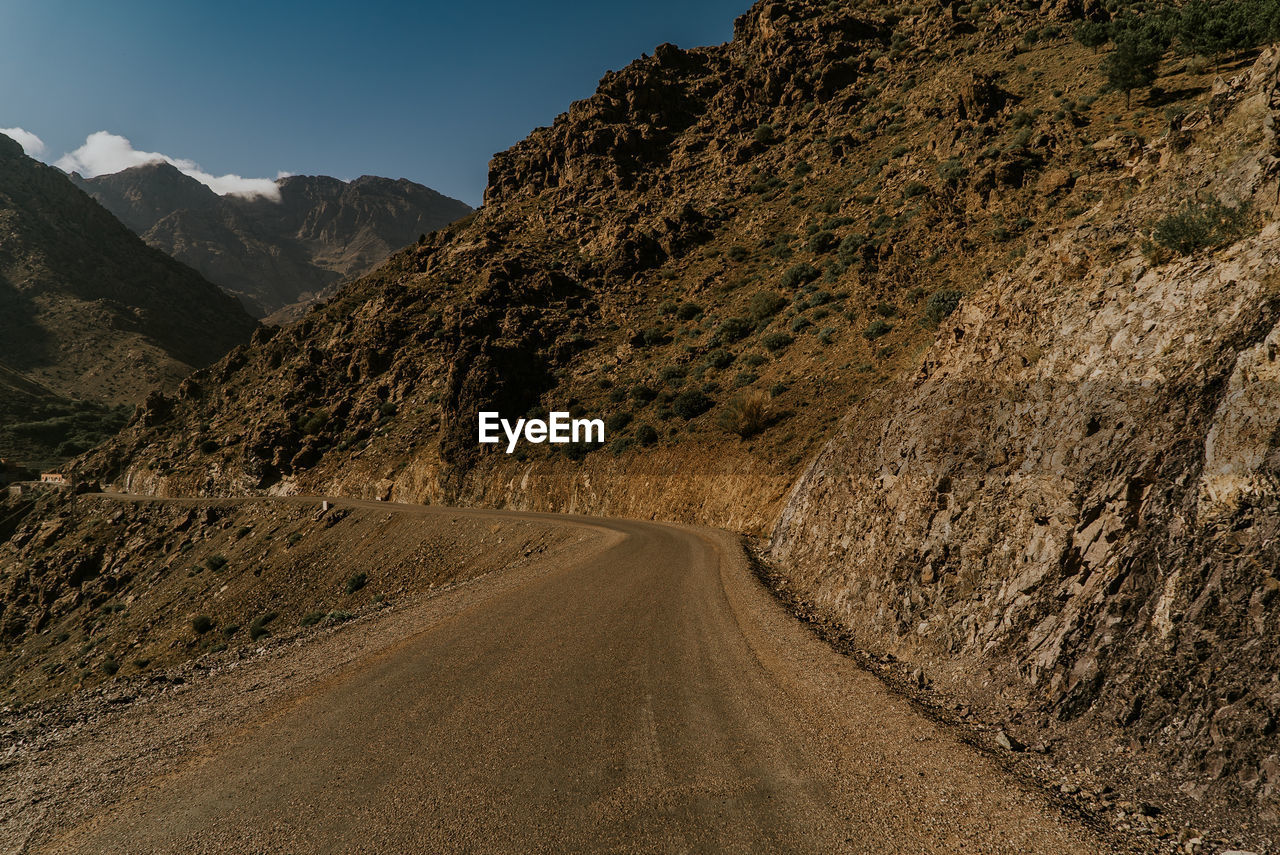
x=87, y=311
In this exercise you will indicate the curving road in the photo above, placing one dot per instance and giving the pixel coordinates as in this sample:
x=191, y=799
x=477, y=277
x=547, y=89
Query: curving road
x=650, y=696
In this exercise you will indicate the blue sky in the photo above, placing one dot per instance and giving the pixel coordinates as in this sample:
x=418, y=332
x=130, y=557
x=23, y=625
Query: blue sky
x=426, y=91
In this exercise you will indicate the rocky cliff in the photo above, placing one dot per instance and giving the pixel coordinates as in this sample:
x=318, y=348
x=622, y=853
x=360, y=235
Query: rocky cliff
x=1069, y=513
x=277, y=255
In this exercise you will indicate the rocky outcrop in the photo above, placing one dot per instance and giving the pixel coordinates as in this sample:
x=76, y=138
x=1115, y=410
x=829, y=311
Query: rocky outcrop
x=1070, y=512
x=614, y=267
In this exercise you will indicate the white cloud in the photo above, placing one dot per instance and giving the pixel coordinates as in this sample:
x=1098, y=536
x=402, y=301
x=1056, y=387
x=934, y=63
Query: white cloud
x=104, y=153
x=31, y=144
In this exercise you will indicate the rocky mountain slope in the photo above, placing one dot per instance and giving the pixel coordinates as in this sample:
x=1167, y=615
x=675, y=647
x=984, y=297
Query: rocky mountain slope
x=274, y=254
x=720, y=252
x=87, y=311
x=133, y=581
x=1054, y=501
x=1076, y=494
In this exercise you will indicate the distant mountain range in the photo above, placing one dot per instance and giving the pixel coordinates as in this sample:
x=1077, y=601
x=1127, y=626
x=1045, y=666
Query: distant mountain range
x=91, y=318
x=276, y=256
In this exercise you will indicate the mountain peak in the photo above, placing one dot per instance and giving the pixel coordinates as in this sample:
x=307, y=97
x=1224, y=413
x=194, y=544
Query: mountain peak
x=10, y=147
x=155, y=170
x=142, y=195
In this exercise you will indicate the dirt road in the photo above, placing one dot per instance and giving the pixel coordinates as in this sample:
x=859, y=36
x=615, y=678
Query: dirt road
x=647, y=696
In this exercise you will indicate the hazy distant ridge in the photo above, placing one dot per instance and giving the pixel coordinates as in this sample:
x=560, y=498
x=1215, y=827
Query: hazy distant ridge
x=274, y=254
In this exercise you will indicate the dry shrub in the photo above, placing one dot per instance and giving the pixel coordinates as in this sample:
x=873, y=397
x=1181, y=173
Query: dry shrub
x=747, y=414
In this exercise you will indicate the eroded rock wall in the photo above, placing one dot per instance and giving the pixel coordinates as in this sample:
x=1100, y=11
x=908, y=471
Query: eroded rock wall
x=1070, y=513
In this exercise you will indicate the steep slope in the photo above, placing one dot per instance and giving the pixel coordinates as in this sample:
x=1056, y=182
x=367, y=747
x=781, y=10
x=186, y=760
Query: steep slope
x=274, y=254
x=1076, y=495
x=87, y=311
x=40, y=428
x=19, y=400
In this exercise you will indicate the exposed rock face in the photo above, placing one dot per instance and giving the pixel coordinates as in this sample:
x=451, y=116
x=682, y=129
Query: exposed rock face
x=86, y=309
x=1077, y=493
x=274, y=254
x=661, y=116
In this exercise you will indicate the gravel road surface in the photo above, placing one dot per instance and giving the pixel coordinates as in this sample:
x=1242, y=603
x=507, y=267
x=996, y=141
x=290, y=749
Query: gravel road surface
x=645, y=695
